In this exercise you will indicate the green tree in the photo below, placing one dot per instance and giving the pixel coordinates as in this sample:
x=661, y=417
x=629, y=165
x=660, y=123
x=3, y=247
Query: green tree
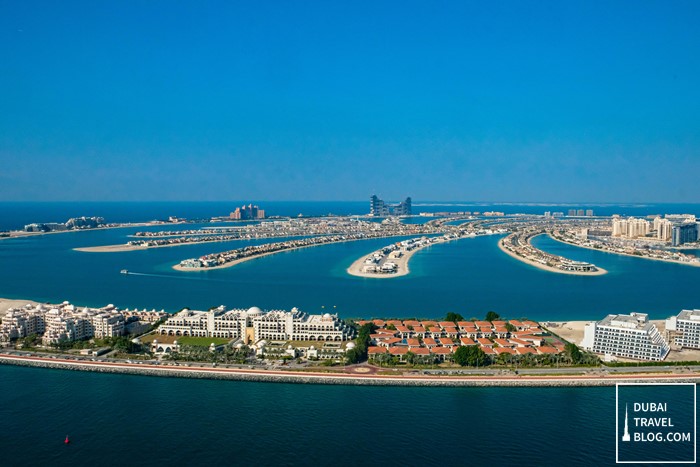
x=470, y=355
x=573, y=352
x=510, y=327
x=492, y=316
x=359, y=353
x=454, y=317
x=410, y=357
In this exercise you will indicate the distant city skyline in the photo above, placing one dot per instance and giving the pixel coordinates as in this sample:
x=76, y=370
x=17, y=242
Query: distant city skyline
x=577, y=102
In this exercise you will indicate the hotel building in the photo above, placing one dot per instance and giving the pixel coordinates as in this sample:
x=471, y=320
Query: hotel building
x=253, y=325
x=627, y=336
x=683, y=330
x=248, y=213
x=378, y=208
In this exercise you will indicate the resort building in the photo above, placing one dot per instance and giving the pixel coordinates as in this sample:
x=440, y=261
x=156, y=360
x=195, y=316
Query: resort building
x=684, y=330
x=253, y=325
x=378, y=208
x=628, y=336
x=249, y=212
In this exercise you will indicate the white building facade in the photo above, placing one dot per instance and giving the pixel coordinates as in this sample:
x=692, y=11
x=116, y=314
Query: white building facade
x=254, y=324
x=684, y=329
x=627, y=336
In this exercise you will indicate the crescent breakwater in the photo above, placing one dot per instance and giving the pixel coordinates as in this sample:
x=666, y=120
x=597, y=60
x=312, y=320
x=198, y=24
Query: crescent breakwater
x=277, y=376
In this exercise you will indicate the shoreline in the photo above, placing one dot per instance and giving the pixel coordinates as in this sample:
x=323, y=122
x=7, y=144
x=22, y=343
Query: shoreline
x=124, y=247
x=23, y=234
x=355, y=268
x=281, y=376
x=229, y=264
x=672, y=261
x=544, y=267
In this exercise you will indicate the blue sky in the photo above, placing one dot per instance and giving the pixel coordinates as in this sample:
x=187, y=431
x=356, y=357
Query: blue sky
x=515, y=101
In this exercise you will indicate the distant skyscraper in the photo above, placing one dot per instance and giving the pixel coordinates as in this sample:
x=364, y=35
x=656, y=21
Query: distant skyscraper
x=572, y=212
x=580, y=213
x=684, y=233
x=589, y=212
x=379, y=208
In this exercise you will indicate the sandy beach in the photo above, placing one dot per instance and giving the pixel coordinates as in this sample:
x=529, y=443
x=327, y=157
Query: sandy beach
x=112, y=248
x=355, y=268
x=229, y=264
x=177, y=267
x=7, y=303
x=599, y=272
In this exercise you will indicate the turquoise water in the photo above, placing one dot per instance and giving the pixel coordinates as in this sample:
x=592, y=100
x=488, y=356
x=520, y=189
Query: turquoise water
x=120, y=419
x=469, y=276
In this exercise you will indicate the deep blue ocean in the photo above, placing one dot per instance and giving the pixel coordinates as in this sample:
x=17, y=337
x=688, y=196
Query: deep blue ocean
x=116, y=420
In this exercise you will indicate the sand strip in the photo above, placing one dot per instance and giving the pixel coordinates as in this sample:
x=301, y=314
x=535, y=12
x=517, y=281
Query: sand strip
x=599, y=272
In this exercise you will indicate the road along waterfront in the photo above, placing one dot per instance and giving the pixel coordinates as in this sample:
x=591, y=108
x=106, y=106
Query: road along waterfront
x=280, y=376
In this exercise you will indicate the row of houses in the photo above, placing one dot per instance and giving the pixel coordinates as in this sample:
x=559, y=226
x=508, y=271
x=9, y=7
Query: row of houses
x=66, y=322
x=441, y=339
x=473, y=329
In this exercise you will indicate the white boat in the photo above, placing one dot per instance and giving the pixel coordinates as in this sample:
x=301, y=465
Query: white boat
x=124, y=271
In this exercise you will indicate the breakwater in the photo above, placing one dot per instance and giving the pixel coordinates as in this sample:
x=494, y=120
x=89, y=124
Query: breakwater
x=276, y=376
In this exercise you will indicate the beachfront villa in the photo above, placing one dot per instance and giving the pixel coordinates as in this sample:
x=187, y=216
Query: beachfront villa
x=441, y=339
x=683, y=330
x=627, y=336
x=253, y=325
x=67, y=322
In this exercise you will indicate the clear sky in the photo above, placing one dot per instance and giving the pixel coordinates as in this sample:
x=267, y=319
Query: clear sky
x=481, y=101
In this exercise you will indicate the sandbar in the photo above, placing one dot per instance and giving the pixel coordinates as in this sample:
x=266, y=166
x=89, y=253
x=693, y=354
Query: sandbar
x=599, y=272
x=402, y=269
x=177, y=267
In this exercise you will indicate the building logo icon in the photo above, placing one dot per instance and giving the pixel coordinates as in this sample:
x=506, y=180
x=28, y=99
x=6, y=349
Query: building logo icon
x=626, y=435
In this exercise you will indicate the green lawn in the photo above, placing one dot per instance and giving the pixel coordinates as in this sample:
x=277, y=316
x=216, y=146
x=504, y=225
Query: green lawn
x=201, y=341
x=185, y=340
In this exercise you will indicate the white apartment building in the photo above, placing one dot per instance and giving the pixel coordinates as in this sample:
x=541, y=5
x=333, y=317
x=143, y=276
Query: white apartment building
x=627, y=336
x=630, y=228
x=684, y=329
x=664, y=228
x=67, y=322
